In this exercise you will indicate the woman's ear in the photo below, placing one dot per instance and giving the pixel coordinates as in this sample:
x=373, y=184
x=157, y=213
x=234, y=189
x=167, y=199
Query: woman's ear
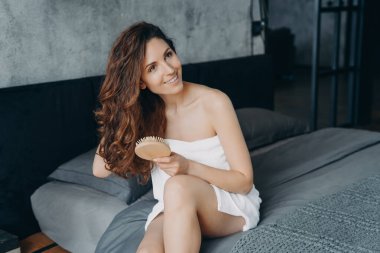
x=142, y=85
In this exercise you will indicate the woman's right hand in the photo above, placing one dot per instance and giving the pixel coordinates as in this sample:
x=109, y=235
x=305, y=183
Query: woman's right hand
x=174, y=164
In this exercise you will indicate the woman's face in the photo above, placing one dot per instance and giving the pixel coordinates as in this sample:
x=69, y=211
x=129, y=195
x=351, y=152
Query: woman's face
x=162, y=70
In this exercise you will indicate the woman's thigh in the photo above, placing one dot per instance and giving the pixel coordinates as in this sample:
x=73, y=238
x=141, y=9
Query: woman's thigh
x=212, y=222
x=153, y=239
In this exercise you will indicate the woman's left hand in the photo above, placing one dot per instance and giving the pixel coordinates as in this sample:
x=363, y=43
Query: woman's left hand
x=174, y=164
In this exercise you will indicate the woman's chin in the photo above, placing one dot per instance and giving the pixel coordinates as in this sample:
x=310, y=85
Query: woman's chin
x=175, y=87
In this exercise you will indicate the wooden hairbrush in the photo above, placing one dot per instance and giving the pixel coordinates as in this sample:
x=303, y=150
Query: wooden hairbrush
x=151, y=147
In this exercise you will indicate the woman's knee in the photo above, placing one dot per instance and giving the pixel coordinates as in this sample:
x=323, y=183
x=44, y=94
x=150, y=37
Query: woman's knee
x=179, y=190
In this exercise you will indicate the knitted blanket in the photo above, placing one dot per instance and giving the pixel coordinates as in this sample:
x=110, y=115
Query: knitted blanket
x=347, y=221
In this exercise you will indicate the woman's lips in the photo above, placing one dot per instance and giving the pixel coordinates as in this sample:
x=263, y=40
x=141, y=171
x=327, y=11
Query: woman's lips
x=173, y=80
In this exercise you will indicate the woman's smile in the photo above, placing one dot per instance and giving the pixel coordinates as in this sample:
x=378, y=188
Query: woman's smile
x=173, y=80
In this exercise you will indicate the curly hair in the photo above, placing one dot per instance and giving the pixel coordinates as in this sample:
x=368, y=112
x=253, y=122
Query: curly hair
x=126, y=112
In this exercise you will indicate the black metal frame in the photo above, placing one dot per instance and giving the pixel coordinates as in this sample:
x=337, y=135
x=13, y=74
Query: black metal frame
x=353, y=43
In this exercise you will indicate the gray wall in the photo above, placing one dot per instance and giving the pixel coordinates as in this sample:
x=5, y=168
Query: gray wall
x=49, y=40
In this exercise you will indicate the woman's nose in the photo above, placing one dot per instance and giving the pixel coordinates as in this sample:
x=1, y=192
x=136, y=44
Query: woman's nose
x=169, y=69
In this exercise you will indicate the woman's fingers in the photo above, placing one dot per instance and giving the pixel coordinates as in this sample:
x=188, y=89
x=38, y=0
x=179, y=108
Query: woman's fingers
x=173, y=164
x=166, y=159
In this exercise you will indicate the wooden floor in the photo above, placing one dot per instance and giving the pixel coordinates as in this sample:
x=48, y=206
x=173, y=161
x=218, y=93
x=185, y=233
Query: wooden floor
x=38, y=243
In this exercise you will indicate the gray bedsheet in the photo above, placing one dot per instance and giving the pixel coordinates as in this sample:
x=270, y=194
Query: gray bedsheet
x=288, y=177
x=347, y=221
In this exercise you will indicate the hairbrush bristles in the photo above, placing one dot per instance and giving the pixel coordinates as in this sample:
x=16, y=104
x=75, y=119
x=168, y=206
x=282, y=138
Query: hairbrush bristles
x=150, y=138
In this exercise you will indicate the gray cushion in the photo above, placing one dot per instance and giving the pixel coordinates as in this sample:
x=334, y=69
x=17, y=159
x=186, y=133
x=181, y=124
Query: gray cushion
x=74, y=216
x=262, y=127
x=79, y=171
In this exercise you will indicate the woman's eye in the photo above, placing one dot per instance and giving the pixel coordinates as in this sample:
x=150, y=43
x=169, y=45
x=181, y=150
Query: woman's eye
x=169, y=54
x=151, y=68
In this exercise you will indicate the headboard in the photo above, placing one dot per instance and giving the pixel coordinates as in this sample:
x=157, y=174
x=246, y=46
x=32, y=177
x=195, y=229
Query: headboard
x=247, y=80
x=44, y=125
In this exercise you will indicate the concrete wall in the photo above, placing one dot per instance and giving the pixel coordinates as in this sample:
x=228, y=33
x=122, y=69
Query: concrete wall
x=49, y=40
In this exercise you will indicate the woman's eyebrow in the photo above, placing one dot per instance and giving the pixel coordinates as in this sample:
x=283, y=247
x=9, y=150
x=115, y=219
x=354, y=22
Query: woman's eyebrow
x=162, y=54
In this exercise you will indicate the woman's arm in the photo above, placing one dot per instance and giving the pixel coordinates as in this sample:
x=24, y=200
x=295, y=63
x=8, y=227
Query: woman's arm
x=239, y=178
x=99, y=166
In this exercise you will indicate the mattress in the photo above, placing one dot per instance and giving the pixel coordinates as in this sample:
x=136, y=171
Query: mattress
x=288, y=174
x=288, y=177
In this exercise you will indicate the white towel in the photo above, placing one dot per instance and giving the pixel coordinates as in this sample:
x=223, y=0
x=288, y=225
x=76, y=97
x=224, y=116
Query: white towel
x=210, y=152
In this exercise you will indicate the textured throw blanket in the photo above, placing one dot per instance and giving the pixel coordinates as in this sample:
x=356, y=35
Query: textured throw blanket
x=347, y=221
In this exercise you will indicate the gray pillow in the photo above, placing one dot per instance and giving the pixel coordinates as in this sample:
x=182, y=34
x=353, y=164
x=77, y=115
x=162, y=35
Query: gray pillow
x=262, y=127
x=79, y=171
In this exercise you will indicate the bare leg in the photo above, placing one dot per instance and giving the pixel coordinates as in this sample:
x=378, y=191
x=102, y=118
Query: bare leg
x=190, y=212
x=153, y=241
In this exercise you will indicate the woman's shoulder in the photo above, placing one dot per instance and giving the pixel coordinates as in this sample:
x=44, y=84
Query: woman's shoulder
x=207, y=94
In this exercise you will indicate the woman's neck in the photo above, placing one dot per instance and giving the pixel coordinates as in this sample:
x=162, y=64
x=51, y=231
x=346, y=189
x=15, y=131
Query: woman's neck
x=176, y=101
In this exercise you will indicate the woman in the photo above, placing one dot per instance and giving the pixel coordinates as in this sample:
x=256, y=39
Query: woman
x=205, y=187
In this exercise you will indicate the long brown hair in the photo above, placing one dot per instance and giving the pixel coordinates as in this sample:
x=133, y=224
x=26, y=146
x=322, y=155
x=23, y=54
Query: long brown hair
x=126, y=112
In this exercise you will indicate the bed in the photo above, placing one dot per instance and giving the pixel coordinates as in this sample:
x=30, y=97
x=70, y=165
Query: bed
x=48, y=136
x=320, y=193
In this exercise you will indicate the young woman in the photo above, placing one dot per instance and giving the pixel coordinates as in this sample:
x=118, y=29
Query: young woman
x=205, y=187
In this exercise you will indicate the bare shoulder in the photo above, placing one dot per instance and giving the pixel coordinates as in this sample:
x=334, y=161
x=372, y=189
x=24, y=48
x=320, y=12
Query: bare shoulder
x=217, y=100
x=212, y=99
